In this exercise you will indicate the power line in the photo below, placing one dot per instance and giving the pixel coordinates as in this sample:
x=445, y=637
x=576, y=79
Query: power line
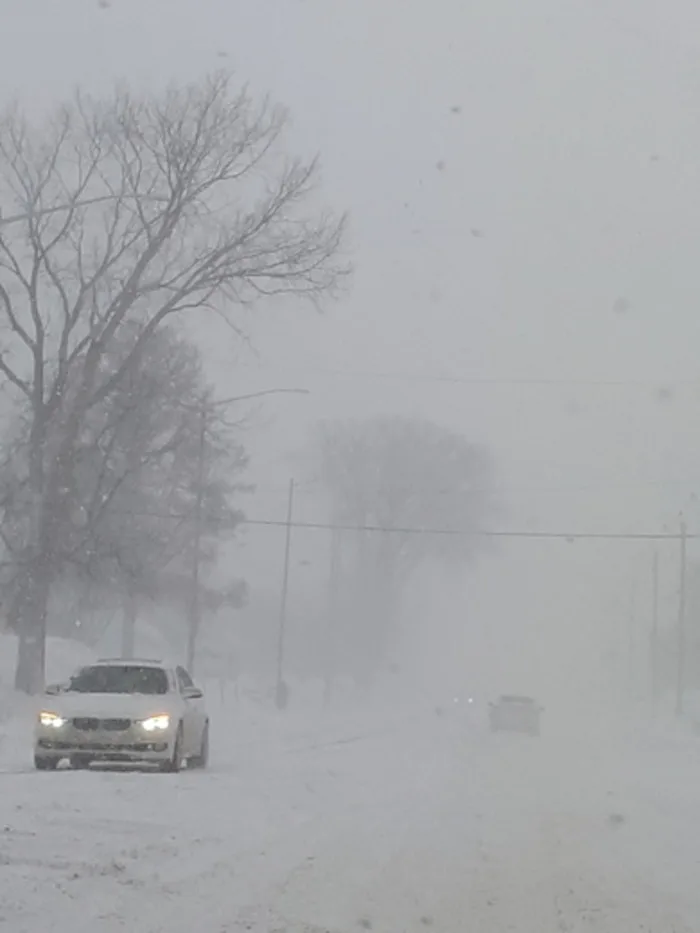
x=476, y=533
x=563, y=487
x=568, y=536
x=515, y=381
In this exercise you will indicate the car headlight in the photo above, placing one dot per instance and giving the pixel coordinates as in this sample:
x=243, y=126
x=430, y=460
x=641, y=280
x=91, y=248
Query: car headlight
x=156, y=723
x=51, y=720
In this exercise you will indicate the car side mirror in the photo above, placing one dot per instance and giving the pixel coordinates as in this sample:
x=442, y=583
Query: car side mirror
x=192, y=693
x=53, y=690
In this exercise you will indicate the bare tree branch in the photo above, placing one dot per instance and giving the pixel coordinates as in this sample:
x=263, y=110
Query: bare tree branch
x=24, y=386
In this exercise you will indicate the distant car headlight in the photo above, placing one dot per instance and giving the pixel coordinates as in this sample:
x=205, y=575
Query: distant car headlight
x=156, y=723
x=51, y=720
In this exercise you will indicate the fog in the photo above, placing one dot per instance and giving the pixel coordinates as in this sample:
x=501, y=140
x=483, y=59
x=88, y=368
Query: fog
x=522, y=231
x=521, y=188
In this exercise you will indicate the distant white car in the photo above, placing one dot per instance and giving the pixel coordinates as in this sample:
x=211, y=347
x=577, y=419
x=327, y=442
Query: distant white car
x=515, y=714
x=119, y=710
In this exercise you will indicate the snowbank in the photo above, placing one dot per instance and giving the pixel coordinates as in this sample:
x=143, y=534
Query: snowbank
x=16, y=710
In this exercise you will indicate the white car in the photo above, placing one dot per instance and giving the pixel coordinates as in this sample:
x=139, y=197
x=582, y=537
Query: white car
x=515, y=714
x=123, y=711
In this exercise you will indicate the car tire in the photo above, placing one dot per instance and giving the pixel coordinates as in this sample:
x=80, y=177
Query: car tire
x=174, y=763
x=45, y=762
x=80, y=762
x=202, y=759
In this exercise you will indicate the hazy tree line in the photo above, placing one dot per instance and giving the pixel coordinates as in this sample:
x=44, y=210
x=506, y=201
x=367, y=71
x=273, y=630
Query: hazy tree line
x=402, y=492
x=121, y=219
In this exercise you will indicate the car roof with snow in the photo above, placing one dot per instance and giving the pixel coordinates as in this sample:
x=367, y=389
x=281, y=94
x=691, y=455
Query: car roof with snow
x=129, y=662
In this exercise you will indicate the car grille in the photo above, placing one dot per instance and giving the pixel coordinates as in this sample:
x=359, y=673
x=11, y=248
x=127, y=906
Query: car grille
x=90, y=724
x=86, y=725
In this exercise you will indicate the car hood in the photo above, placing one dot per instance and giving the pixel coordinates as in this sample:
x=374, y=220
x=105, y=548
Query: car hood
x=108, y=705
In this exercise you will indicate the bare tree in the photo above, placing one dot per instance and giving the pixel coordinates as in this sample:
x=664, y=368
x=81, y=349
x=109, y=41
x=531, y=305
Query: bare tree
x=141, y=469
x=418, y=490
x=148, y=482
x=126, y=213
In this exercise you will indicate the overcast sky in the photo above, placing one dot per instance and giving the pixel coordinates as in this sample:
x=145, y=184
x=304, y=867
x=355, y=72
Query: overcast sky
x=524, y=186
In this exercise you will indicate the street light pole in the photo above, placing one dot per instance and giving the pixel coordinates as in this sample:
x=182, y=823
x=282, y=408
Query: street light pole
x=681, y=634
x=194, y=615
x=333, y=611
x=654, y=629
x=631, y=643
x=281, y=688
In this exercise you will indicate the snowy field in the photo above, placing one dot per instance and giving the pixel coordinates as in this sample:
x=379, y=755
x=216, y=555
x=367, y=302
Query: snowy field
x=392, y=822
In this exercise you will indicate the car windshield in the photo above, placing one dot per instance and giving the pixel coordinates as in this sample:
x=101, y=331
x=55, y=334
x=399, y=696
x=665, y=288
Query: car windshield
x=119, y=678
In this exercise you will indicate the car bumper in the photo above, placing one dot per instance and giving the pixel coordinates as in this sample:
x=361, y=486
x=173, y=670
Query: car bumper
x=525, y=728
x=131, y=746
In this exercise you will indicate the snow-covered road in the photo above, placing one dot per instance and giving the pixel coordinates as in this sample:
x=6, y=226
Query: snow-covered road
x=406, y=826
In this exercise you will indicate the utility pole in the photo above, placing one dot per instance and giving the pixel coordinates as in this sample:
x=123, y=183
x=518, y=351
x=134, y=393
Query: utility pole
x=654, y=643
x=194, y=613
x=631, y=643
x=281, y=688
x=333, y=612
x=681, y=634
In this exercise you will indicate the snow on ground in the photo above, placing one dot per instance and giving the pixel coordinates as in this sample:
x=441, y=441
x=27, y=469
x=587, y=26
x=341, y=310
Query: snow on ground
x=16, y=711
x=385, y=819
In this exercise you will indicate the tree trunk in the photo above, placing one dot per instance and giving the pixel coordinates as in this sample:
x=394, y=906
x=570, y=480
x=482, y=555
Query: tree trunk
x=13, y=614
x=29, y=672
x=28, y=613
x=32, y=601
x=31, y=647
x=48, y=482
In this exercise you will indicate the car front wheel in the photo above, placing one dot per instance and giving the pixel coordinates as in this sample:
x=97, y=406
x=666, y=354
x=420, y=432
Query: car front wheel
x=202, y=759
x=80, y=762
x=174, y=763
